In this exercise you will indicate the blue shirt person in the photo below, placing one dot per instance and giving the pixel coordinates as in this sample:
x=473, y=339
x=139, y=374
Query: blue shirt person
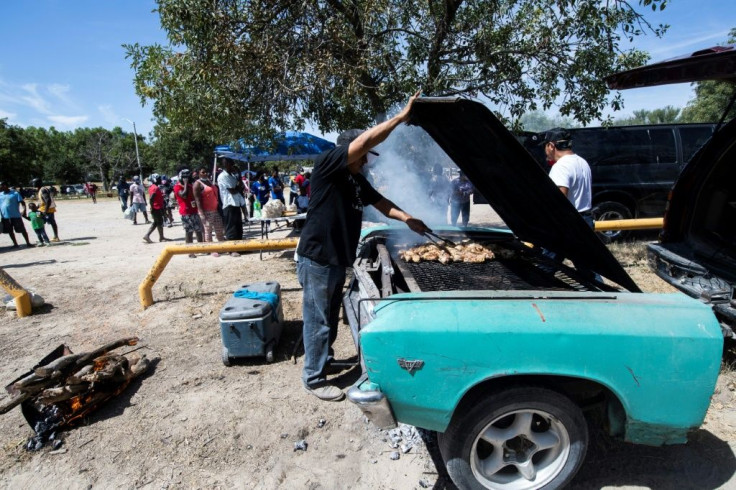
x=277, y=187
x=10, y=201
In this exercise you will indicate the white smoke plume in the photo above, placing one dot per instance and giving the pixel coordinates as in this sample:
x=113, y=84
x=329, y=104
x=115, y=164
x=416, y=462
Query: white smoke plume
x=403, y=174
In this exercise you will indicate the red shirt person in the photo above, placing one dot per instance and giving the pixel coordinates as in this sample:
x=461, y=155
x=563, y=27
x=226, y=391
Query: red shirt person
x=157, y=209
x=184, y=192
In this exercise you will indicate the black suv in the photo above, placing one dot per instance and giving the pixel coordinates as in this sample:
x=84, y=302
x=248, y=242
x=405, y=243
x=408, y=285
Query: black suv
x=697, y=248
x=634, y=167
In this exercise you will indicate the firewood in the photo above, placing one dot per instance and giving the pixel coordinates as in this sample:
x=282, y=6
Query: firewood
x=56, y=395
x=140, y=367
x=15, y=401
x=105, y=349
x=76, y=378
x=58, y=365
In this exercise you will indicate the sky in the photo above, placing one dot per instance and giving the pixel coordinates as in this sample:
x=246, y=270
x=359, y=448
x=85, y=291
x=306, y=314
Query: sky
x=62, y=63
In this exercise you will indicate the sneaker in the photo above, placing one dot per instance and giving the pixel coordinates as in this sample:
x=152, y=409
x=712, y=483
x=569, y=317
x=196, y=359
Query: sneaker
x=329, y=393
x=55, y=239
x=234, y=254
x=215, y=254
x=164, y=239
x=147, y=240
x=40, y=244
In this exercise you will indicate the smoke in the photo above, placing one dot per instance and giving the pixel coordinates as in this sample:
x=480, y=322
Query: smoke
x=403, y=173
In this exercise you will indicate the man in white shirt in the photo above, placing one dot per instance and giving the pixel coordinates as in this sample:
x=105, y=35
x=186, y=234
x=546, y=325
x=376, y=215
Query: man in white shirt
x=231, y=193
x=571, y=173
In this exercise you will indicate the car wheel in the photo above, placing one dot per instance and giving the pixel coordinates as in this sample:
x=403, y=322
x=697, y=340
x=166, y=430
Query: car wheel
x=522, y=438
x=608, y=211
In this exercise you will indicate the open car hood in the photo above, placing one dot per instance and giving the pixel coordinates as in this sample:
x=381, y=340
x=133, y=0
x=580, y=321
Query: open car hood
x=716, y=63
x=514, y=184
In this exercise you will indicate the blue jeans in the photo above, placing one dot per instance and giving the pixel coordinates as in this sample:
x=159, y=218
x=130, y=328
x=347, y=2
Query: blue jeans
x=459, y=207
x=322, y=284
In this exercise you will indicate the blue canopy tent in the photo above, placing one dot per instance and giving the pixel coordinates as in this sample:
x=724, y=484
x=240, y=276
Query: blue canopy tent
x=289, y=145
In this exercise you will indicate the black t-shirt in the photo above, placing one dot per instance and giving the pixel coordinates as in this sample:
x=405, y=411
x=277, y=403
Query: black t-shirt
x=332, y=228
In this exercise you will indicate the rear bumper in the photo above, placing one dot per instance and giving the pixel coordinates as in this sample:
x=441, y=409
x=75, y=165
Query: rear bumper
x=372, y=403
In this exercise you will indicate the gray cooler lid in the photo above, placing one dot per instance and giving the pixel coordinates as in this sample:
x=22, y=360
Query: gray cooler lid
x=246, y=308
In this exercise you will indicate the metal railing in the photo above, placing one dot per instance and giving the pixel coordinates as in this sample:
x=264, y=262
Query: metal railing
x=145, y=290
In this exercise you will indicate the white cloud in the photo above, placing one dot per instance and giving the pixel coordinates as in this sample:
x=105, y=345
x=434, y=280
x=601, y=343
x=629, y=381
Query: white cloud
x=61, y=92
x=109, y=115
x=33, y=99
x=697, y=41
x=68, y=121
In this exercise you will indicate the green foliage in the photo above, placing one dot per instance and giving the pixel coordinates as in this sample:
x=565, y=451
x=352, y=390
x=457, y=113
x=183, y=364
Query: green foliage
x=239, y=68
x=537, y=121
x=665, y=115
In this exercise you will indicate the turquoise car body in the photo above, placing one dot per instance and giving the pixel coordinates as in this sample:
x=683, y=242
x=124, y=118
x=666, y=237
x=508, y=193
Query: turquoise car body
x=659, y=354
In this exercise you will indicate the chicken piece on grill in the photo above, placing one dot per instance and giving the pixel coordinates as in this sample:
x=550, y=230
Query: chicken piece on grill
x=468, y=252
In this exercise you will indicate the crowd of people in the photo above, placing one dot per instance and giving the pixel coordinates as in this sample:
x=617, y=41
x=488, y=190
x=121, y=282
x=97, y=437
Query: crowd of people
x=208, y=205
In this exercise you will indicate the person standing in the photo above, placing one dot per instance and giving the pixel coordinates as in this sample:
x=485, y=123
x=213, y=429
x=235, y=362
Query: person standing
x=329, y=241
x=37, y=223
x=138, y=200
x=47, y=205
x=260, y=191
x=184, y=192
x=123, y=191
x=205, y=194
x=277, y=187
x=460, y=199
x=572, y=175
x=166, y=189
x=91, y=189
x=158, y=210
x=231, y=193
x=10, y=203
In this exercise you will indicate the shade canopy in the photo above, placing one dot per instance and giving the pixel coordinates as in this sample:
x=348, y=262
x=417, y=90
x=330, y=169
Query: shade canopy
x=289, y=145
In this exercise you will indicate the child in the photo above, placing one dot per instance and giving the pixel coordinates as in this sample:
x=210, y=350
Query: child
x=37, y=223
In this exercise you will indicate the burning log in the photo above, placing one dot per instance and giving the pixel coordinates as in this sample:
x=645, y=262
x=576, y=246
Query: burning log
x=67, y=387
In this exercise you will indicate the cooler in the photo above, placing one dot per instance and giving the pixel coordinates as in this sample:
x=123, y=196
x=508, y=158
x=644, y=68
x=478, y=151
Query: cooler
x=251, y=321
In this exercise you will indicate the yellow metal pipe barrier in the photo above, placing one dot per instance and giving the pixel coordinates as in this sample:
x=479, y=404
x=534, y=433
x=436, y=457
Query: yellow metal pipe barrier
x=21, y=296
x=629, y=224
x=145, y=289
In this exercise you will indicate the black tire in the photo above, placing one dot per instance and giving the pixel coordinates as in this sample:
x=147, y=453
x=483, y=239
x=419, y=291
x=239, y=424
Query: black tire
x=551, y=418
x=612, y=210
x=226, y=357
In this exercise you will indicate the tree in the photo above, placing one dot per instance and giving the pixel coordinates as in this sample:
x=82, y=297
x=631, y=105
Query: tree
x=665, y=115
x=17, y=156
x=537, y=121
x=235, y=67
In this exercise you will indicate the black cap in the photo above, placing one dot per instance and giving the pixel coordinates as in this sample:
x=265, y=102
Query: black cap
x=347, y=137
x=559, y=136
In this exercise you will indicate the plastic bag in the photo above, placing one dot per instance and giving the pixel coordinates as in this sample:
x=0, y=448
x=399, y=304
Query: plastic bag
x=129, y=213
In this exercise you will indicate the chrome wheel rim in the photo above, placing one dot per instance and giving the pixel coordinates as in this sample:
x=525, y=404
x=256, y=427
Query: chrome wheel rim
x=522, y=449
x=609, y=216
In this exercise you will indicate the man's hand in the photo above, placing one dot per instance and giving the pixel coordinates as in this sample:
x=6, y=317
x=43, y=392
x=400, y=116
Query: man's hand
x=417, y=226
x=404, y=114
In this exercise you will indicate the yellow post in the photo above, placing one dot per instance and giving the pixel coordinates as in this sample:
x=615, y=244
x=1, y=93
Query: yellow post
x=629, y=224
x=21, y=296
x=145, y=289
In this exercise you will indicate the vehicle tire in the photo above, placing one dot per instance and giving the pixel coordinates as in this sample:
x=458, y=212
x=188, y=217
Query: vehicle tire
x=612, y=210
x=226, y=357
x=522, y=438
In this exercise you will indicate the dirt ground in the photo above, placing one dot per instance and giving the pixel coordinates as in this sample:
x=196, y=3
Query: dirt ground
x=194, y=423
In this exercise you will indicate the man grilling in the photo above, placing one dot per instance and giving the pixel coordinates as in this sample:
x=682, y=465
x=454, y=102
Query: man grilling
x=330, y=237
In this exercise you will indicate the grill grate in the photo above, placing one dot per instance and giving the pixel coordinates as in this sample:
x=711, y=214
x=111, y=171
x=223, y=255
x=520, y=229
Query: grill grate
x=498, y=274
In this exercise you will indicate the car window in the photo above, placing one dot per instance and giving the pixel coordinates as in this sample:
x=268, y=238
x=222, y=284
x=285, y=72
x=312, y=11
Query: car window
x=616, y=146
x=692, y=139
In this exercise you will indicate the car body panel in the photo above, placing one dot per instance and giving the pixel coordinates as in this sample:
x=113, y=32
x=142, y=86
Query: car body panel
x=662, y=372
x=514, y=184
